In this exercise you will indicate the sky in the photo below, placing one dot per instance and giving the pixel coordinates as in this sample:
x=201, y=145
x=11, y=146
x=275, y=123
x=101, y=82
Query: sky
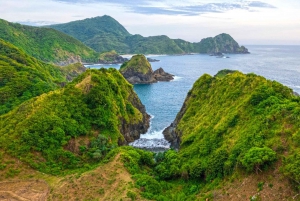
x=264, y=22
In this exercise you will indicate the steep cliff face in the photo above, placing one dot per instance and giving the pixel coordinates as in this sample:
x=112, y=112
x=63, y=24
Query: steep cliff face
x=77, y=124
x=138, y=70
x=132, y=130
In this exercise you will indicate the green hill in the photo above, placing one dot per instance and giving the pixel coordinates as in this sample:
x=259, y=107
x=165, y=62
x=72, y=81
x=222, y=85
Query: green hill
x=238, y=133
x=106, y=34
x=221, y=43
x=234, y=121
x=138, y=64
x=23, y=77
x=152, y=45
x=76, y=125
x=46, y=44
x=100, y=33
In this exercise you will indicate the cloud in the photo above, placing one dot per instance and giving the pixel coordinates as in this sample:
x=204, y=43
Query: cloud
x=162, y=7
x=258, y=4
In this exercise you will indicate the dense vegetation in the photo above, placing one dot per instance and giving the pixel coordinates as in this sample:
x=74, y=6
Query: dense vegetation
x=138, y=64
x=100, y=33
x=238, y=121
x=46, y=44
x=229, y=123
x=23, y=77
x=106, y=34
x=73, y=126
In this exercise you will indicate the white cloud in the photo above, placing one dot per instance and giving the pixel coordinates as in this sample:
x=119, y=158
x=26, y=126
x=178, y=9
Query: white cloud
x=265, y=26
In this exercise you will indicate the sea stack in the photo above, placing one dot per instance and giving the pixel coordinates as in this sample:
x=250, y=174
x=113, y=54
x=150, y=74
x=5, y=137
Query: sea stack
x=138, y=70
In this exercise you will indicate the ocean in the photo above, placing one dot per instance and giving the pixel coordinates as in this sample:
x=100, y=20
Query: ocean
x=163, y=100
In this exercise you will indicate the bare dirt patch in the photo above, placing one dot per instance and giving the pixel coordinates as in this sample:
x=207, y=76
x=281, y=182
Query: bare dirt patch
x=107, y=182
x=34, y=190
x=267, y=186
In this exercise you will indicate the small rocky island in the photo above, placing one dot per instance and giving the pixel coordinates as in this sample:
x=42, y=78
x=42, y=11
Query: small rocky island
x=138, y=70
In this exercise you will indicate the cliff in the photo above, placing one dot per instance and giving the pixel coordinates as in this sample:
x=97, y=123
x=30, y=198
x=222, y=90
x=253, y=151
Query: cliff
x=138, y=70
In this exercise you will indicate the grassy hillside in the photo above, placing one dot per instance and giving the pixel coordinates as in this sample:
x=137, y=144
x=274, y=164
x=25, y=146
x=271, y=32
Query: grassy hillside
x=74, y=126
x=238, y=121
x=239, y=141
x=106, y=34
x=46, y=44
x=23, y=77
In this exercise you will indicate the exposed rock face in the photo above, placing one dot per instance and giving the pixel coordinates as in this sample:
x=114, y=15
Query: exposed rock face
x=161, y=75
x=152, y=60
x=138, y=71
x=170, y=133
x=132, y=131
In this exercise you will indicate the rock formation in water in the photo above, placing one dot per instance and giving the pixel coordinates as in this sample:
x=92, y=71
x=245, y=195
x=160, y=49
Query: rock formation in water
x=139, y=71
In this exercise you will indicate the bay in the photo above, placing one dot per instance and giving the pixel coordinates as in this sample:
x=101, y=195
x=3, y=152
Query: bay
x=163, y=100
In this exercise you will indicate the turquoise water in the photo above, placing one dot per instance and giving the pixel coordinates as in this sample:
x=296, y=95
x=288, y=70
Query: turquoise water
x=163, y=100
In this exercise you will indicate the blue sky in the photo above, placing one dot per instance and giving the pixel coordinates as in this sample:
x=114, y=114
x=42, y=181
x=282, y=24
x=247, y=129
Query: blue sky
x=265, y=22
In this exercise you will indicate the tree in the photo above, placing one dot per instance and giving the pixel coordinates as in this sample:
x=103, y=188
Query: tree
x=256, y=157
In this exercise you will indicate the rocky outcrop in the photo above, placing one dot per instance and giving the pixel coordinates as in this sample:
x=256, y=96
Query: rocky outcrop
x=172, y=134
x=161, y=75
x=131, y=131
x=152, y=60
x=139, y=71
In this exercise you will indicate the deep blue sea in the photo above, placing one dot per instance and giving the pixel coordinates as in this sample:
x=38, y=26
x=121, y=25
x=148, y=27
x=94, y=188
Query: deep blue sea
x=163, y=100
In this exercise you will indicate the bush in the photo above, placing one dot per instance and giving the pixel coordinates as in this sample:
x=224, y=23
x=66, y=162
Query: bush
x=257, y=157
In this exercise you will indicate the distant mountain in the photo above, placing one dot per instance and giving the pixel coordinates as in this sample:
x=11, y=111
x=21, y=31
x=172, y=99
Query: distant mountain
x=100, y=33
x=23, y=77
x=46, y=44
x=106, y=34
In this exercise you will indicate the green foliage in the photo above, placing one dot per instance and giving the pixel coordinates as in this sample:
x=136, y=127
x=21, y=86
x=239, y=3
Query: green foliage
x=234, y=121
x=221, y=43
x=44, y=43
x=105, y=34
x=131, y=195
x=138, y=64
x=291, y=167
x=100, y=33
x=39, y=130
x=256, y=157
x=169, y=166
x=23, y=77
